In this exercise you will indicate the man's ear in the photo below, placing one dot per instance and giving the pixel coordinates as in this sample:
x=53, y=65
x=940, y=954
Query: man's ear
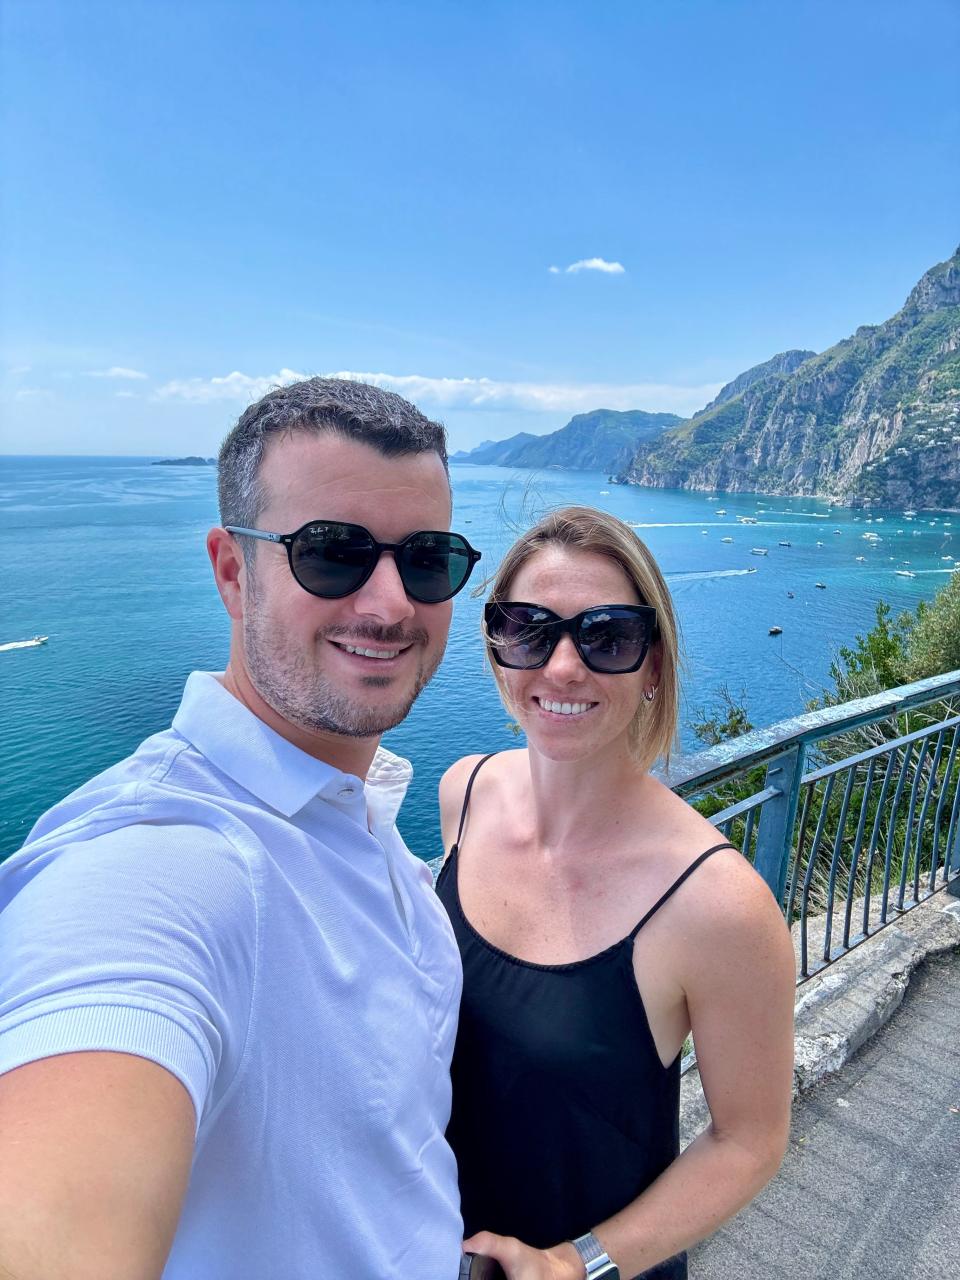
x=228, y=567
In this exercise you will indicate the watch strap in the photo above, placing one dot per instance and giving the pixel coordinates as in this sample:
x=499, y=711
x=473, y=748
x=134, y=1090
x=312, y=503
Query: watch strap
x=595, y=1258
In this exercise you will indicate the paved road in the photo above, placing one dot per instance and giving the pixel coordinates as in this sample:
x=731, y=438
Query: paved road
x=870, y=1186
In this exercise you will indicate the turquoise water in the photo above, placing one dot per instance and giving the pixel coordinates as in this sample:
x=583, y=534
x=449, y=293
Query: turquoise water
x=106, y=557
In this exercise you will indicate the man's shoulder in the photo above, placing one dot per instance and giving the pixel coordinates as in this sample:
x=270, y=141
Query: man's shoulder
x=156, y=814
x=165, y=782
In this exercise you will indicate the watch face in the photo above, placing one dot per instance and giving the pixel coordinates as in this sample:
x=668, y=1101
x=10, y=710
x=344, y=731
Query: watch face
x=476, y=1266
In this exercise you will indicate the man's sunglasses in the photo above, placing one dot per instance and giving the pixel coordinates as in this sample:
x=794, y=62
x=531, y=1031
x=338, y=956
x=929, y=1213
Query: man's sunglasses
x=331, y=559
x=612, y=639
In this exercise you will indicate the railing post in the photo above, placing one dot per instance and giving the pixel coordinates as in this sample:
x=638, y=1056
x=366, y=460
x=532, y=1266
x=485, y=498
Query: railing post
x=777, y=818
x=953, y=863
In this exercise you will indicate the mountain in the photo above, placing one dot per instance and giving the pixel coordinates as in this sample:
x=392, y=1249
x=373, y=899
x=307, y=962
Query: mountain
x=494, y=452
x=785, y=362
x=604, y=440
x=874, y=420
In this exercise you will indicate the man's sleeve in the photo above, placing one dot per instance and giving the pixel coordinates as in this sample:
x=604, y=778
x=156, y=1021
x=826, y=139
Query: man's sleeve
x=142, y=940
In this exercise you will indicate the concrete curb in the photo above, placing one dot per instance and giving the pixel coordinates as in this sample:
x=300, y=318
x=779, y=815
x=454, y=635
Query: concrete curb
x=839, y=1010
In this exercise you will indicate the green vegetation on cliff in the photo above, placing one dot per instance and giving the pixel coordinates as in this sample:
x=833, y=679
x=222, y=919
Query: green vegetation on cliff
x=604, y=440
x=874, y=419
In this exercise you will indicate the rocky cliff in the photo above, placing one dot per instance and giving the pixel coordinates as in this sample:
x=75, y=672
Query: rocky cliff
x=874, y=420
x=604, y=440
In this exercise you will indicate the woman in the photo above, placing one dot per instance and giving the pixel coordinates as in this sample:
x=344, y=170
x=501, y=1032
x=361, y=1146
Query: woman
x=600, y=920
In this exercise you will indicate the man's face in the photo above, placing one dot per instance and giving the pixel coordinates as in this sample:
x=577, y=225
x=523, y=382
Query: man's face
x=296, y=646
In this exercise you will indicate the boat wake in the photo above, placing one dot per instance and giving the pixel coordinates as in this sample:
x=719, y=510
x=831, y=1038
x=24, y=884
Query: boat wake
x=23, y=644
x=707, y=573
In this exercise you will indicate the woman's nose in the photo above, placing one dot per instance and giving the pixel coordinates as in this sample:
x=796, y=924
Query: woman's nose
x=565, y=664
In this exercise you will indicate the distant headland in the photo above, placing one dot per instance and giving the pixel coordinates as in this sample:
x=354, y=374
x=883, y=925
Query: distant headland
x=185, y=462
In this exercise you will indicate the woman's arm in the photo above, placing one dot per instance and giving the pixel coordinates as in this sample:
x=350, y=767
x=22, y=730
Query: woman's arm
x=738, y=973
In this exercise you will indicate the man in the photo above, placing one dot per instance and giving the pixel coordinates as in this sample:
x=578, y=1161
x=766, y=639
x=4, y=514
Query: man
x=228, y=995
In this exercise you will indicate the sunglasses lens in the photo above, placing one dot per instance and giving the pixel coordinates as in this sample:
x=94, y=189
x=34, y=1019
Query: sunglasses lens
x=614, y=640
x=521, y=635
x=435, y=566
x=330, y=559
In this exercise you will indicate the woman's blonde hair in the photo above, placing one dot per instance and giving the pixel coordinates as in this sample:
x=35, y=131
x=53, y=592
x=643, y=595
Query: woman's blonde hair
x=654, y=726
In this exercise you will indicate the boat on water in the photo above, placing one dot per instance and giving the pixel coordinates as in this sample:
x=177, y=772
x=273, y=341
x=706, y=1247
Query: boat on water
x=726, y=539
x=747, y=519
x=775, y=631
x=32, y=643
x=784, y=544
x=821, y=586
x=904, y=573
x=758, y=551
x=862, y=559
x=720, y=512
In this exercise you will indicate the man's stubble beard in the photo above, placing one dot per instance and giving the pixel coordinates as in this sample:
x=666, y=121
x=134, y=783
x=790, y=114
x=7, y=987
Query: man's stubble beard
x=304, y=696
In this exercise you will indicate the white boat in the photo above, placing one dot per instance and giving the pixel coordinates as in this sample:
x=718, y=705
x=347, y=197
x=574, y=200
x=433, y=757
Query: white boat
x=862, y=559
x=904, y=573
x=784, y=544
x=747, y=519
x=758, y=551
x=24, y=644
x=720, y=511
x=726, y=539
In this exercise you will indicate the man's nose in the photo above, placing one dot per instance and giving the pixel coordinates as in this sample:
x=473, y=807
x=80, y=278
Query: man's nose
x=383, y=595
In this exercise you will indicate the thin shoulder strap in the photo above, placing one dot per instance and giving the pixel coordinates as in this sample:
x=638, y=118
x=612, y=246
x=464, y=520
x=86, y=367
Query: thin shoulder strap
x=677, y=883
x=466, y=797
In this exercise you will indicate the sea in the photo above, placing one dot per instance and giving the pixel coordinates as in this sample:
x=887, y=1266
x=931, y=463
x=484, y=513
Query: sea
x=106, y=557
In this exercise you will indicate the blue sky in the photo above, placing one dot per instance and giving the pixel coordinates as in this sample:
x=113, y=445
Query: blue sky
x=204, y=196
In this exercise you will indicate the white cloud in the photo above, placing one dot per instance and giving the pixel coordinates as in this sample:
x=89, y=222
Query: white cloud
x=590, y=264
x=117, y=372
x=234, y=386
x=33, y=393
x=16, y=370
x=466, y=393
x=126, y=395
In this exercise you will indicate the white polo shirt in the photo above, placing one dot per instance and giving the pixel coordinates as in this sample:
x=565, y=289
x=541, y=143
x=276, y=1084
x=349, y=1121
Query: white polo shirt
x=248, y=917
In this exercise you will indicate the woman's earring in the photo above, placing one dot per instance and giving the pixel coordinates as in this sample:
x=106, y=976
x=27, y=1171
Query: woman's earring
x=650, y=693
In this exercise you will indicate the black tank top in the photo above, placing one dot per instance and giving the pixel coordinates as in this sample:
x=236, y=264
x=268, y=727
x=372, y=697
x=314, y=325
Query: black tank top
x=562, y=1110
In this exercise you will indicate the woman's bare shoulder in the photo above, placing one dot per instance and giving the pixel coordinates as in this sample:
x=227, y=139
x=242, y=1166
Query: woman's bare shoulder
x=726, y=878
x=453, y=784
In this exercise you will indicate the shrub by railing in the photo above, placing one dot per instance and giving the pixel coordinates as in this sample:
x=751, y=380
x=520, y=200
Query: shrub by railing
x=850, y=813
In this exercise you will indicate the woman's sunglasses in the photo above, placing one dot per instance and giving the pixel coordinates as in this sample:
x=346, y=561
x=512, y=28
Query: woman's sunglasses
x=331, y=559
x=612, y=639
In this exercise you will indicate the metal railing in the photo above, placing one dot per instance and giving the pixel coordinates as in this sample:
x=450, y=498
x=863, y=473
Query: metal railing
x=850, y=813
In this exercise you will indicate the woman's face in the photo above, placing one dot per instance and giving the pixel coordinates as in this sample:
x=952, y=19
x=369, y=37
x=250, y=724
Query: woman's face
x=601, y=707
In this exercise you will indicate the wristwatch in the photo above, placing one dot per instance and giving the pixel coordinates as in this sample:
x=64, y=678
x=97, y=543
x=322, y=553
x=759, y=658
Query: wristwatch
x=595, y=1258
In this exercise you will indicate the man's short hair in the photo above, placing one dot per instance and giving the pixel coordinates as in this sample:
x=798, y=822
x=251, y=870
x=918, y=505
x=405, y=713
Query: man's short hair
x=384, y=421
